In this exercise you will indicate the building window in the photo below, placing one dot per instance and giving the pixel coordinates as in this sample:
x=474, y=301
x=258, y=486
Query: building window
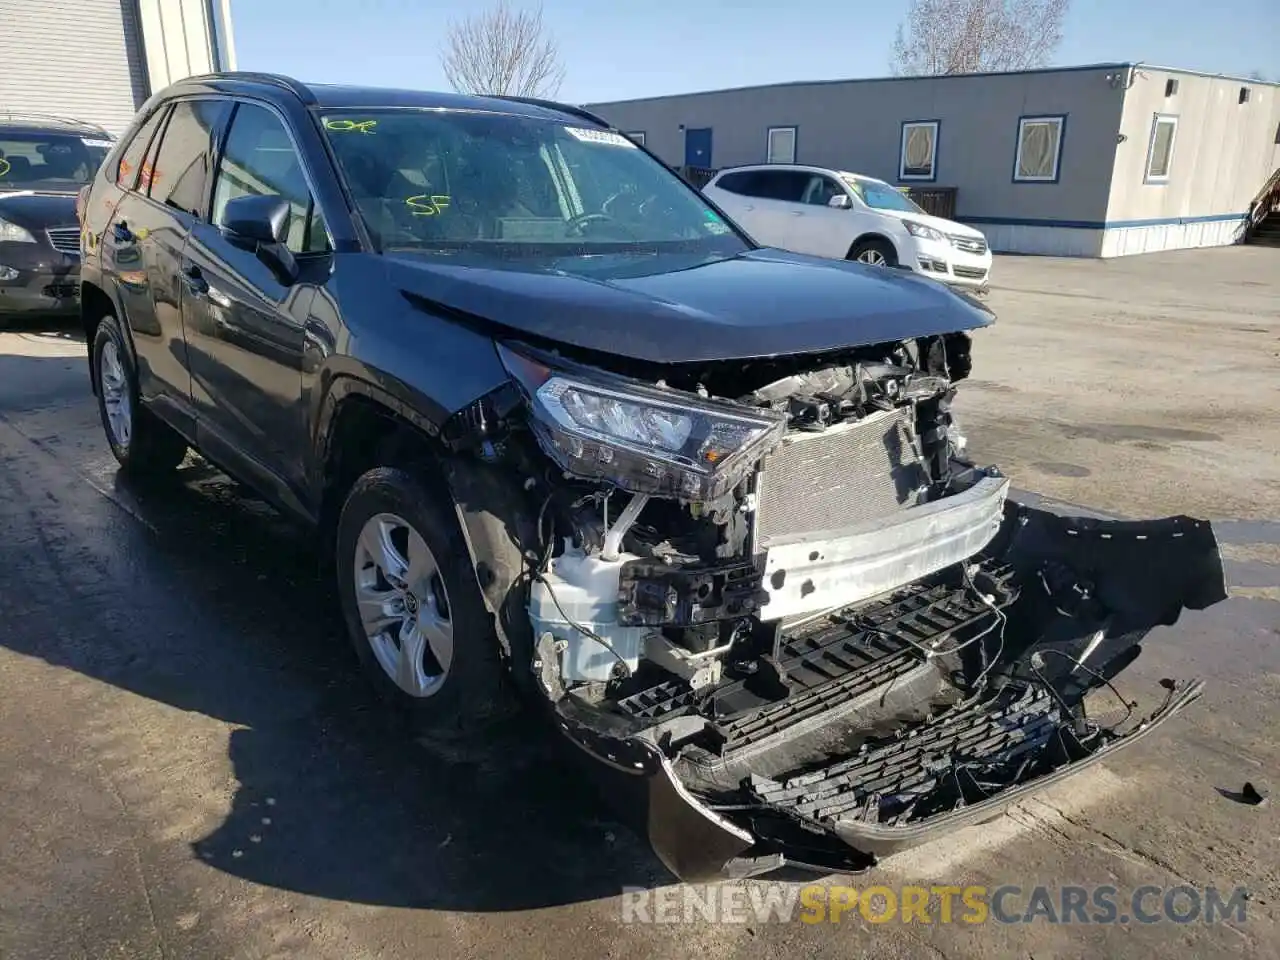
x=781, y=147
x=1164, y=129
x=1039, y=149
x=918, y=151
x=637, y=136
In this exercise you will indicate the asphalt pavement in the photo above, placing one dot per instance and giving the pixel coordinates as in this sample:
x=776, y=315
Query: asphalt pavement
x=192, y=768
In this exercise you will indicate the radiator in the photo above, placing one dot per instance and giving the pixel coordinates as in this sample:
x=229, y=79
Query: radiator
x=845, y=474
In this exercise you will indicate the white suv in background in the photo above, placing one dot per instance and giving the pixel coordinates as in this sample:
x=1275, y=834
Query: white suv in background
x=832, y=213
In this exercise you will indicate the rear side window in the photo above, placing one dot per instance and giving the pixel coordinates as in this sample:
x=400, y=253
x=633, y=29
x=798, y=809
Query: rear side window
x=131, y=160
x=781, y=184
x=736, y=183
x=259, y=159
x=180, y=178
x=767, y=184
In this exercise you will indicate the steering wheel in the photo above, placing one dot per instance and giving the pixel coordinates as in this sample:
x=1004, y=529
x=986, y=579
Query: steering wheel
x=582, y=219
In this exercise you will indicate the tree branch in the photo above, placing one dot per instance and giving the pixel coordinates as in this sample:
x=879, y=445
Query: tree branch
x=977, y=36
x=502, y=52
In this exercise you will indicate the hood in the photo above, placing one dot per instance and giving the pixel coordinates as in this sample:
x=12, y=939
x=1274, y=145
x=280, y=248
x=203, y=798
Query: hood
x=938, y=223
x=757, y=304
x=39, y=210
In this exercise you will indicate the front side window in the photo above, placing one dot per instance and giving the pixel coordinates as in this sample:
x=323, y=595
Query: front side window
x=918, y=151
x=1164, y=129
x=179, y=177
x=508, y=186
x=53, y=161
x=259, y=159
x=820, y=190
x=1039, y=149
x=879, y=195
x=782, y=145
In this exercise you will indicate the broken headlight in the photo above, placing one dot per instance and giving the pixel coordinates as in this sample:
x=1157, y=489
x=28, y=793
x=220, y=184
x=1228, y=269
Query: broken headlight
x=643, y=439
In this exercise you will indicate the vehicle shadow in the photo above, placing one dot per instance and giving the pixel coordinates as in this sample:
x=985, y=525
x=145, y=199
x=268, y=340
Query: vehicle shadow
x=334, y=800
x=213, y=603
x=63, y=328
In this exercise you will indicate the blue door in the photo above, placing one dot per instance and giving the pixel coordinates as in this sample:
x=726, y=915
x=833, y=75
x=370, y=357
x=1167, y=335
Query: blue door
x=697, y=147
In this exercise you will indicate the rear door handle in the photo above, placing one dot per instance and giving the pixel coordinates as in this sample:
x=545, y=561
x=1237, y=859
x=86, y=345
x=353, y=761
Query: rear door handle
x=797, y=213
x=193, y=277
x=120, y=230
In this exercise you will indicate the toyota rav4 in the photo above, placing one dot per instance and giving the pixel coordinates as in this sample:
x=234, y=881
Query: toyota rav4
x=565, y=431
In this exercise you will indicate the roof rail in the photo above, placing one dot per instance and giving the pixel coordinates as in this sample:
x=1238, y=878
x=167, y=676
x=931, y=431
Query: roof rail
x=298, y=89
x=556, y=105
x=28, y=115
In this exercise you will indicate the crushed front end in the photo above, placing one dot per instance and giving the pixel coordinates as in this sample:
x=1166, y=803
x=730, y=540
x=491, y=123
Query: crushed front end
x=777, y=594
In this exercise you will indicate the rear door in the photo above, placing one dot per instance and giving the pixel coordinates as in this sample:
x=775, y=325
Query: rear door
x=732, y=192
x=244, y=326
x=143, y=246
x=777, y=207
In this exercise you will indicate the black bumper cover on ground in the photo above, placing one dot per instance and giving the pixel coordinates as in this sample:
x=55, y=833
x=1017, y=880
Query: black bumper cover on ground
x=1085, y=589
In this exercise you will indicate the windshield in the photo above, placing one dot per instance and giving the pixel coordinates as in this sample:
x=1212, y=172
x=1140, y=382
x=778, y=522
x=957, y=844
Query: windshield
x=494, y=184
x=879, y=195
x=41, y=160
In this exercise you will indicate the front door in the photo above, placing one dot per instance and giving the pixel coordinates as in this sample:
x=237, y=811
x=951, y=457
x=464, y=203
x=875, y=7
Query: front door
x=819, y=228
x=244, y=324
x=697, y=147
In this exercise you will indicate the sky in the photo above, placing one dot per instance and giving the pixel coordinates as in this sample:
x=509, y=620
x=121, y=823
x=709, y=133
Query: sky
x=620, y=49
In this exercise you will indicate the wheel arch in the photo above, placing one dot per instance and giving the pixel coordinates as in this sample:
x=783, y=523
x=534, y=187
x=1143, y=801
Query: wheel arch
x=95, y=304
x=361, y=425
x=873, y=235
x=364, y=426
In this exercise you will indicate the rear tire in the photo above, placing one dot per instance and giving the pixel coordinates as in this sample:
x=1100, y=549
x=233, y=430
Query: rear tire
x=412, y=606
x=145, y=446
x=874, y=253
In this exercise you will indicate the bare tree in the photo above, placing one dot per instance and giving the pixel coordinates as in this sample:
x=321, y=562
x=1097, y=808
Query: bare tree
x=502, y=52
x=977, y=36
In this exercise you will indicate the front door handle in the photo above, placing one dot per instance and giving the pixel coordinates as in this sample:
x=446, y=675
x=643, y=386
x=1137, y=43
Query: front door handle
x=193, y=277
x=120, y=230
x=797, y=213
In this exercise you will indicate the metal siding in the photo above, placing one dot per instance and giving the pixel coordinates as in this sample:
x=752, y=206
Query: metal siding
x=857, y=125
x=180, y=39
x=1223, y=154
x=72, y=59
x=1125, y=241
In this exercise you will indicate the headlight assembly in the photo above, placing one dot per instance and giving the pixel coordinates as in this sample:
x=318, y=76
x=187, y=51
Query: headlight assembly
x=922, y=231
x=12, y=233
x=644, y=439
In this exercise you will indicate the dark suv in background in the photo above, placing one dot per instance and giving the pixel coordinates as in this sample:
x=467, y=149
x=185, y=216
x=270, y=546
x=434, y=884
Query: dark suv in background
x=44, y=162
x=564, y=429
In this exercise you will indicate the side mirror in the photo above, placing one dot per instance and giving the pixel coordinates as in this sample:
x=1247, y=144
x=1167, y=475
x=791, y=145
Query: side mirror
x=840, y=201
x=261, y=224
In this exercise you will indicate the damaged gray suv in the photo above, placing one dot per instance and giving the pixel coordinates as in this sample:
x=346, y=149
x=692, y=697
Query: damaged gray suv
x=566, y=432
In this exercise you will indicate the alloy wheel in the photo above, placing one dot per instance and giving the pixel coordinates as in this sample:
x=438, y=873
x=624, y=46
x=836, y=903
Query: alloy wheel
x=116, y=401
x=403, y=604
x=873, y=257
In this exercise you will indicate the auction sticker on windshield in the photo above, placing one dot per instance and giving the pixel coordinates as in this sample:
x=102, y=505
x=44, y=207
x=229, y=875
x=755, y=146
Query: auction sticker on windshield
x=600, y=136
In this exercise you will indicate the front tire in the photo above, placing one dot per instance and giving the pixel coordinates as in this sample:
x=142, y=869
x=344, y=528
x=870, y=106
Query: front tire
x=874, y=253
x=412, y=607
x=145, y=446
